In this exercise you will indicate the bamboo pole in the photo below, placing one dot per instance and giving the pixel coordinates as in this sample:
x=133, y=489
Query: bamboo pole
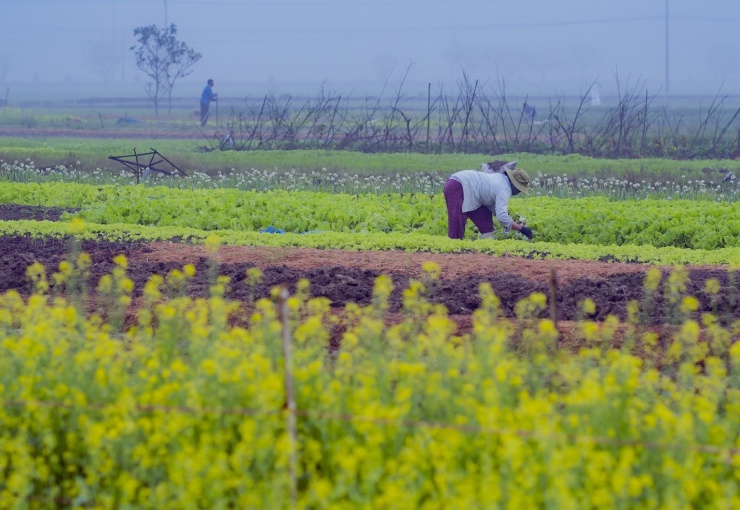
x=429, y=114
x=290, y=405
x=554, y=299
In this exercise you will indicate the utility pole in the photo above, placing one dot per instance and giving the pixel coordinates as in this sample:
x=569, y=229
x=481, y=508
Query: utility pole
x=117, y=48
x=165, y=13
x=667, y=80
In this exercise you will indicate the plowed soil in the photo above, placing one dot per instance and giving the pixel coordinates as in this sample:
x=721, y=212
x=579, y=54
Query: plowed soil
x=345, y=276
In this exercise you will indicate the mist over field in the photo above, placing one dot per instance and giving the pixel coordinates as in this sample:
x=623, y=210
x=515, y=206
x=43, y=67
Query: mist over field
x=80, y=48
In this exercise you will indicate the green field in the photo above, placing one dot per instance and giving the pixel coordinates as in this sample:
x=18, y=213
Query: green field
x=93, y=153
x=116, y=394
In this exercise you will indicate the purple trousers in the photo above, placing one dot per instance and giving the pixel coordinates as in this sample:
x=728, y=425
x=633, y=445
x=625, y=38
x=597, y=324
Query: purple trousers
x=456, y=219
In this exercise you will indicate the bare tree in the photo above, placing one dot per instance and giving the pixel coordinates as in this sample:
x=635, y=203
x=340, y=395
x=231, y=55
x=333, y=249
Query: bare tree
x=567, y=125
x=468, y=103
x=164, y=59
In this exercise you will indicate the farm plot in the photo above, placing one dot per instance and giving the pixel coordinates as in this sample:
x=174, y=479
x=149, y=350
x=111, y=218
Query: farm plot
x=150, y=373
x=164, y=393
x=348, y=277
x=341, y=275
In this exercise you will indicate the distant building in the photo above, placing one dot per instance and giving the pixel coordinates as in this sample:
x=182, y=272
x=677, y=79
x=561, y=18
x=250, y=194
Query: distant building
x=595, y=97
x=529, y=110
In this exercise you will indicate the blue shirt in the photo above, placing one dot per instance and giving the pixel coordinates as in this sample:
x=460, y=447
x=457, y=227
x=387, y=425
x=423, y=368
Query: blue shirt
x=207, y=95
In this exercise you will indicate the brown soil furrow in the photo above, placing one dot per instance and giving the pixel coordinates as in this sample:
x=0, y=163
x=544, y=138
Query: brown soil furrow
x=345, y=277
x=389, y=262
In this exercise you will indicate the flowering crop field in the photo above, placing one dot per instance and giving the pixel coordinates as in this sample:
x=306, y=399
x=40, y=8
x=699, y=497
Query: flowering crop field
x=179, y=402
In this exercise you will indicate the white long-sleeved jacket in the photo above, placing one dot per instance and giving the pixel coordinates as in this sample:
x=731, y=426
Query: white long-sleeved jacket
x=491, y=190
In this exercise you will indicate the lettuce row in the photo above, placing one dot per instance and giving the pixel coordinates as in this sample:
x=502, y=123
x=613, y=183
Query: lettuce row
x=374, y=241
x=590, y=221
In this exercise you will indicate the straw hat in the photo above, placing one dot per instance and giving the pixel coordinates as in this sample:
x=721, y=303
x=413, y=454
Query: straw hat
x=519, y=179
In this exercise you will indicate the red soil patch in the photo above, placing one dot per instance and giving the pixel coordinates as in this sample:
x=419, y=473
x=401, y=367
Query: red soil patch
x=344, y=277
x=393, y=262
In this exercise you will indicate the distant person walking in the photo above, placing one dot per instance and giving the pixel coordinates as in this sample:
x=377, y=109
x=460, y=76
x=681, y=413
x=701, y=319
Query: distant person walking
x=205, y=102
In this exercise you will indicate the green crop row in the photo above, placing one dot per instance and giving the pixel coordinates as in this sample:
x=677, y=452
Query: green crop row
x=711, y=187
x=592, y=220
x=374, y=242
x=93, y=153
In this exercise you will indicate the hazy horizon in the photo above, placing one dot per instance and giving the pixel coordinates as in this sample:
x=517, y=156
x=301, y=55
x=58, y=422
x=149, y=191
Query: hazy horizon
x=534, y=47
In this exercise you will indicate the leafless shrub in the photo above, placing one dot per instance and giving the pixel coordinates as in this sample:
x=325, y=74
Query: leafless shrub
x=480, y=118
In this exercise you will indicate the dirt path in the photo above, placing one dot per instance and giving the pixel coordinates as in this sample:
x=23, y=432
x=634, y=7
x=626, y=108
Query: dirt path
x=13, y=212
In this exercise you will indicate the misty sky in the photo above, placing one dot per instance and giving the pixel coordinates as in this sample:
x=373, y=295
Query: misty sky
x=535, y=46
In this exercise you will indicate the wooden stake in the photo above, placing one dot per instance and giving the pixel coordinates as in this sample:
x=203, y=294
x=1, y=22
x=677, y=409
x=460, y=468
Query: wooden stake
x=554, y=299
x=289, y=396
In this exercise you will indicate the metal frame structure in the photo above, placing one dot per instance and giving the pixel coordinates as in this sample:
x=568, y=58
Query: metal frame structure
x=142, y=169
